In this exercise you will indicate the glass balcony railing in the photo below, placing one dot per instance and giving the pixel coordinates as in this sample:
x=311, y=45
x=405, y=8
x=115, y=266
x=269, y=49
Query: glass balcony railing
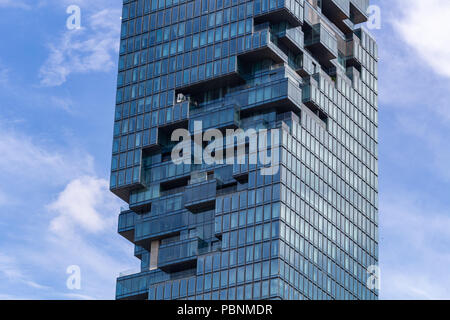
x=321, y=38
x=213, y=75
x=279, y=10
x=311, y=98
x=165, y=171
x=362, y=5
x=218, y=118
x=176, y=113
x=311, y=95
x=354, y=52
x=293, y=39
x=126, y=221
x=336, y=9
x=179, y=252
x=156, y=228
x=129, y=286
x=303, y=64
x=282, y=94
x=240, y=169
x=135, y=286
x=260, y=45
x=201, y=195
x=358, y=10
x=144, y=195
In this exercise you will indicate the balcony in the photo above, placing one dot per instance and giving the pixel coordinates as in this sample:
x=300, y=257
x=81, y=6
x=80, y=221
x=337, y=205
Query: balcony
x=259, y=46
x=132, y=287
x=218, y=74
x=175, y=116
x=180, y=255
x=240, y=171
x=293, y=39
x=354, y=53
x=336, y=10
x=303, y=64
x=276, y=11
x=167, y=217
x=358, y=11
x=126, y=224
x=168, y=174
x=284, y=95
x=322, y=44
x=141, y=199
x=311, y=99
x=218, y=116
x=311, y=95
x=134, y=284
x=200, y=196
x=125, y=182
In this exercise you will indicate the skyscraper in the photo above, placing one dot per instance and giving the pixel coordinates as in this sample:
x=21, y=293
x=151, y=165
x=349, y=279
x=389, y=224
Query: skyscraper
x=308, y=230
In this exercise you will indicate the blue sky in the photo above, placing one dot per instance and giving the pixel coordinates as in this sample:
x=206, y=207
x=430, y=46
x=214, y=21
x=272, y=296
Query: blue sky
x=56, y=113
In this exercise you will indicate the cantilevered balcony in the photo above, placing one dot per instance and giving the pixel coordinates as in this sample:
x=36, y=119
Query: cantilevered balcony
x=279, y=10
x=260, y=46
x=322, y=44
x=175, y=116
x=216, y=74
x=358, y=11
x=293, y=39
x=303, y=64
x=161, y=227
x=126, y=224
x=311, y=96
x=141, y=198
x=336, y=10
x=126, y=181
x=217, y=116
x=133, y=286
x=311, y=99
x=240, y=171
x=284, y=95
x=179, y=255
x=200, y=196
x=354, y=53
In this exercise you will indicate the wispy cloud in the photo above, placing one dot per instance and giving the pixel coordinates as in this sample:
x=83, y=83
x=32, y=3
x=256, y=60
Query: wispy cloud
x=424, y=26
x=78, y=204
x=14, y=4
x=4, y=75
x=93, y=48
x=10, y=269
x=415, y=238
x=27, y=157
x=76, y=225
x=414, y=150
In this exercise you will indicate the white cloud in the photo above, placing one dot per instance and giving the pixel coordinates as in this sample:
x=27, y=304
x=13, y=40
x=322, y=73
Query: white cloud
x=81, y=218
x=424, y=26
x=3, y=198
x=29, y=158
x=414, y=256
x=14, y=4
x=93, y=48
x=78, y=205
x=10, y=269
x=4, y=75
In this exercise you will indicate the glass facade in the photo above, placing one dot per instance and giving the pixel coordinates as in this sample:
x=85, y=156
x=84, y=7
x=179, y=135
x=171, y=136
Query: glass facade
x=226, y=231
